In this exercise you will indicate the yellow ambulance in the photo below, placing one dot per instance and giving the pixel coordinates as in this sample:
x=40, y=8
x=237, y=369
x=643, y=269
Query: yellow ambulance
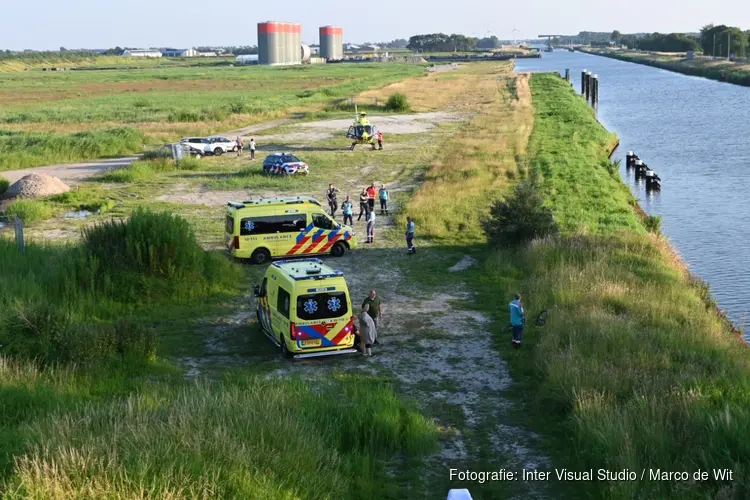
x=304, y=308
x=269, y=228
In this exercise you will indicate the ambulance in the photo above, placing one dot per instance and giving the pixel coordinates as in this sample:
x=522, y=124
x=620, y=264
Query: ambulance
x=270, y=228
x=304, y=307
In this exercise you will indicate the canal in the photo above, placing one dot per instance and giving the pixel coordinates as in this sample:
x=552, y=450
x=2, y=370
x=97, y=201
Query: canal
x=695, y=135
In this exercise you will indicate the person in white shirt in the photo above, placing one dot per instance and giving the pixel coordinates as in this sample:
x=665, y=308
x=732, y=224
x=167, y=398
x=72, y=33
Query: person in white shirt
x=371, y=227
x=252, y=148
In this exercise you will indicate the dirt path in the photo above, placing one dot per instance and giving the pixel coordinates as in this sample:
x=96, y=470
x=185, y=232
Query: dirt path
x=77, y=172
x=432, y=343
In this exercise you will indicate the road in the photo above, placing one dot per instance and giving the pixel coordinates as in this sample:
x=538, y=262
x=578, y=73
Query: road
x=76, y=172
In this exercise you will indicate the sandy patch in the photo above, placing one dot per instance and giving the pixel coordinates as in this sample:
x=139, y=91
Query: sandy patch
x=393, y=124
x=465, y=263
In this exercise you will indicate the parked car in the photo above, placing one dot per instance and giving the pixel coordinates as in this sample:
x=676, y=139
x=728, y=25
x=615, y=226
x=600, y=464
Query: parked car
x=220, y=145
x=284, y=164
x=199, y=146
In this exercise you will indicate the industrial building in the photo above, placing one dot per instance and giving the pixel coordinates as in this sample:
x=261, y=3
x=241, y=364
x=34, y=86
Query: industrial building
x=331, y=43
x=179, y=53
x=141, y=53
x=279, y=43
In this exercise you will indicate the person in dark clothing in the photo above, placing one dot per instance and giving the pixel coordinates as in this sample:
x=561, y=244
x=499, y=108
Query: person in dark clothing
x=332, y=201
x=363, y=205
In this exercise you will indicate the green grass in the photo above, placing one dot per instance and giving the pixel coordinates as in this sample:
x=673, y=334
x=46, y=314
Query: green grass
x=142, y=171
x=4, y=185
x=242, y=438
x=29, y=211
x=634, y=368
x=24, y=150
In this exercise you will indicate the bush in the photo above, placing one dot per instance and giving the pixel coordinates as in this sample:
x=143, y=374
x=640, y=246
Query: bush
x=397, y=102
x=152, y=256
x=30, y=211
x=520, y=217
x=653, y=223
x=4, y=184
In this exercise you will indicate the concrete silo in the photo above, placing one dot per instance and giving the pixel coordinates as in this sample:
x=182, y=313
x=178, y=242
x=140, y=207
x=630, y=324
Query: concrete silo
x=331, y=43
x=271, y=43
x=292, y=42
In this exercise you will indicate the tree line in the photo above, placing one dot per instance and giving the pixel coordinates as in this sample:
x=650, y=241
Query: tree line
x=440, y=42
x=719, y=41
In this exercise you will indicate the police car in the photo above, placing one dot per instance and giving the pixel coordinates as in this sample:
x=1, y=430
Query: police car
x=284, y=164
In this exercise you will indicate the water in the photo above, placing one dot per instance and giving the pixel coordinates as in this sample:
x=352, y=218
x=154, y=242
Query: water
x=78, y=214
x=694, y=134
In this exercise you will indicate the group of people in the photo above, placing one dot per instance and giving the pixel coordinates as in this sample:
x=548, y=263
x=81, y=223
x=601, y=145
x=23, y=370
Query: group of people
x=241, y=146
x=367, y=209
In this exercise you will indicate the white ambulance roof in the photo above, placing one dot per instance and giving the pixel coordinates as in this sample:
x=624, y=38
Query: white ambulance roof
x=306, y=269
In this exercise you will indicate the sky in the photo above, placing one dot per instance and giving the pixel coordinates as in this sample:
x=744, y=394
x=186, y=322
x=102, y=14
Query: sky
x=51, y=24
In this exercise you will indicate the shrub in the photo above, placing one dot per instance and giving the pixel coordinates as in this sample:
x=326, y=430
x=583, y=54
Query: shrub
x=30, y=211
x=237, y=107
x=653, y=223
x=4, y=184
x=157, y=154
x=151, y=256
x=520, y=217
x=397, y=102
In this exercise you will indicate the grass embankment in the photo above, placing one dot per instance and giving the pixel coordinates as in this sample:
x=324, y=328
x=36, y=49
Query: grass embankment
x=57, y=117
x=37, y=61
x=720, y=69
x=634, y=369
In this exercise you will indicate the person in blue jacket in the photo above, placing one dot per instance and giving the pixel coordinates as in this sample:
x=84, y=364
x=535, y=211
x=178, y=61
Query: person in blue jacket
x=517, y=319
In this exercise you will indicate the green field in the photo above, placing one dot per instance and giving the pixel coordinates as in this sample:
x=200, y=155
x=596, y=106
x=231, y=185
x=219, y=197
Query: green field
x=48, y=117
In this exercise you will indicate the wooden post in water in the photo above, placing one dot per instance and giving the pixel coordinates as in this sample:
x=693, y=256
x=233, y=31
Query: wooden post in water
x=588, y=86
x=583, y=82
x=567, y=75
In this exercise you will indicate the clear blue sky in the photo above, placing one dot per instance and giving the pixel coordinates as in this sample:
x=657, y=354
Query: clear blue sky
x=49, y=24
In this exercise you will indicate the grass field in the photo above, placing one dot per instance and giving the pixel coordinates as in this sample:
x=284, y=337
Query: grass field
x=634, y=370
x=76, y=110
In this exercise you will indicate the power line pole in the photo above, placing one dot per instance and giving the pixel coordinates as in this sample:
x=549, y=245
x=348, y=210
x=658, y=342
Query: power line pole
x=714, y=47
x=729, y=44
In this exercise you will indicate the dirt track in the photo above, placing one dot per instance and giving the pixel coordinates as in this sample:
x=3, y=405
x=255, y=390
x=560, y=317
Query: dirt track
x=76, y=172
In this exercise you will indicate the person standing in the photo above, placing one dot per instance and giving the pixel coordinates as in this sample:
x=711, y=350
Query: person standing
x=348, y=209
x=332, y=200
x=367, y=331
x=239, y=146
x=380, y=140
x=371, y=196
x=410, y=235
x=252, y=148
x=370, y=226
x=363, y=206
x=517, y=319
x=383, y=195
x=375, y=308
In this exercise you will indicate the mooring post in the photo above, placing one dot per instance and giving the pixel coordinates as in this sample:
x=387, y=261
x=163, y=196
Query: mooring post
x=567, y=75
x=583, y=82
x=595, y=90
x=588, y=86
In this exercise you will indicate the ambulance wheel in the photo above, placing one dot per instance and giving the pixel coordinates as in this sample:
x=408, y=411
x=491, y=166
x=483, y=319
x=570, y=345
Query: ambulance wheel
x=261, y=256
x=338, y=250
x=285, y=350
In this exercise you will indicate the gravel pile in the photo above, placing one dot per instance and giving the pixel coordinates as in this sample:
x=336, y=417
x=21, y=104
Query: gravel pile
x=35, y=186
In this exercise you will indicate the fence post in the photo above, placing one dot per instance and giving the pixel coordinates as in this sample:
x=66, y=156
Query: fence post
x=18, y=223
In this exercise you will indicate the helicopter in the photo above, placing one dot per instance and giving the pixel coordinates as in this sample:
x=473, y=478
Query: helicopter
x=363, y=132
